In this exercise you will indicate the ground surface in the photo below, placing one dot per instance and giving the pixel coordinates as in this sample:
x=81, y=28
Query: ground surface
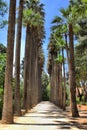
x=46, y=116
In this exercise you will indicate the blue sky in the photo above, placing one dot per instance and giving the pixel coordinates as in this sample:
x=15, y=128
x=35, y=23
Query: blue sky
x=52, y=8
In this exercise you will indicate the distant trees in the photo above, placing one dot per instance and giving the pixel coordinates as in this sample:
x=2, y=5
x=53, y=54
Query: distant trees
x=81, y=59
x=2, y=64
x=81, y=53
x=55, y=70
x=45, y=83
x=65, y=27
x=2, y=73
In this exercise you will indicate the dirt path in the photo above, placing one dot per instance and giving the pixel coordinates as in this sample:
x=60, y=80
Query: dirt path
x=45, y=116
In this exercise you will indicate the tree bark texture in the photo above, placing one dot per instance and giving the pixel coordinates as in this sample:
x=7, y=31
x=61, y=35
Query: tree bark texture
x=26, y=62
x=7, y=114
x=72, y=79
x=17, y=105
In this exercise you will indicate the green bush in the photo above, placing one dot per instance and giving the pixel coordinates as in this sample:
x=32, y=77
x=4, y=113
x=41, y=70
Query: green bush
x=1, y=101
x=48, y=91
x=45, y=83
x=81, y=102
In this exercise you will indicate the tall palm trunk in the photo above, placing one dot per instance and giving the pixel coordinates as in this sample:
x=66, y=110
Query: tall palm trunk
x=33, y=69
x=64, y=80
x=57, y=83
x=36, y=75
x=52, y=81
x=39, y=82
x=7, y=115
x=26, y=61
x=17, y=108
x=60, y=86
x=55, y=78
x=39, y=74
x=36, y=65
x=72, y=79
x=29, y=77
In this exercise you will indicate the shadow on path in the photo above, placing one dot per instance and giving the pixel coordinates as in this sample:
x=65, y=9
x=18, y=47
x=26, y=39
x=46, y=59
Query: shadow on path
x=45, y=116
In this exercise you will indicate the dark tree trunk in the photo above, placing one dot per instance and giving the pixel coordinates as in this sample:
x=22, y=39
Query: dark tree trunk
x=7, y=115
x=51, y=79
x=34, y=69
x=64, y=81
x=29, y=76
x=72, y=79
x=17, y=107
x=60, y=86
x=40, y=83
x=26, y=61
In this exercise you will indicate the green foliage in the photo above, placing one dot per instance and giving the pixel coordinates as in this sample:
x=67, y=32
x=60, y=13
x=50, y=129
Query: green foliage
x=2, y=48
x=21, y=91
x=3, y=7
x=85, y=1
x=59, y=59
x=48, y=90
x=1, y=101
x=3, y=11
x=33, y=14
x=67, y=95
x=45, y=87
x=2, y=73
x=65, y=12
x=32, y=18
x=2, y=63
x=58, y=20
x=81, y=63
x=81, y=102
x=81, y=53
x=3, y=23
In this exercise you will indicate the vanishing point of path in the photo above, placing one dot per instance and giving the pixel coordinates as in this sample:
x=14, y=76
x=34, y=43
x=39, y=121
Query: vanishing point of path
x=44, y=116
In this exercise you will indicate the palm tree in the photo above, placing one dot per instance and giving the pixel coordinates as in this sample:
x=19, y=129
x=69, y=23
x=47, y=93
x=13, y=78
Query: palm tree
x=55, y=72
x=50, y=67
x=72, y=74
x=64, y=81
x=7, y=115
x=26, y=66
x=71, y=14
x=72, y=81
x=17, y=108
x=81, y=56
x=31, y=55
x=59, y=30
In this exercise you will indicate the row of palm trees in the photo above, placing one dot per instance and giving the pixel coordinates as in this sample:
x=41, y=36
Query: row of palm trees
x=31, y=15
x=63, y=30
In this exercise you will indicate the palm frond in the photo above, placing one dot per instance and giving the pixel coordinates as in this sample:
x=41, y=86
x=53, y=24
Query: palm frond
x=57, y=19
x=65, y=12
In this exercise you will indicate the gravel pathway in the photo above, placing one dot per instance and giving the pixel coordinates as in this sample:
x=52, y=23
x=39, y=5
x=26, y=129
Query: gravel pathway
x=44, y=116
